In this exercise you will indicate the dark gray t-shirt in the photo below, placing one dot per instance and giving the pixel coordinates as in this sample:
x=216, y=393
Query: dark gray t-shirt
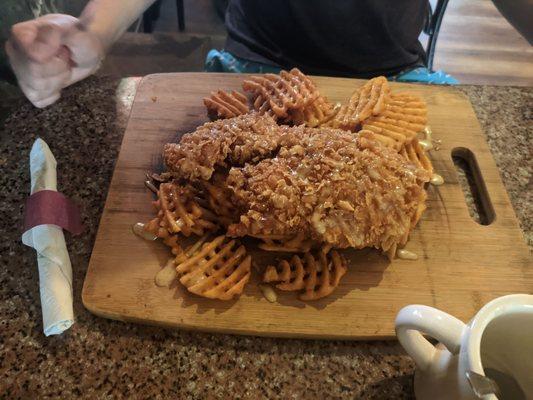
x=361, y=38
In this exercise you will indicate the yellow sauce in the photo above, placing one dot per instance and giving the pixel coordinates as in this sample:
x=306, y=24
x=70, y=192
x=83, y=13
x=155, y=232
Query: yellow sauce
x=138, y=229
x=166, y=275
x=436, y=180
x=269, y=293
x=406, y=255
x=428, y=133
x=426, y=144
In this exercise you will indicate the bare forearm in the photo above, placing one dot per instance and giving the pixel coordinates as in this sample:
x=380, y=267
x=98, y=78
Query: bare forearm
x=519, y=13
x=109, y=19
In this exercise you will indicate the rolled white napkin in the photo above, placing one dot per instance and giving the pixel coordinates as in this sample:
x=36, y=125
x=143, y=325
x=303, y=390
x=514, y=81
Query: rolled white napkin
x=55, y=270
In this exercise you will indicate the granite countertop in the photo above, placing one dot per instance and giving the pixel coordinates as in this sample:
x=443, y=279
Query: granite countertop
x=99, y=358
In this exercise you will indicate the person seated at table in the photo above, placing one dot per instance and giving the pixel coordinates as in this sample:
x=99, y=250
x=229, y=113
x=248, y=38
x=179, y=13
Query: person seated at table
x=362, y=38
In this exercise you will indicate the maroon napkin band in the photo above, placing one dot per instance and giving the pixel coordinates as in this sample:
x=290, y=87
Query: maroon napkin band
x=51, y=207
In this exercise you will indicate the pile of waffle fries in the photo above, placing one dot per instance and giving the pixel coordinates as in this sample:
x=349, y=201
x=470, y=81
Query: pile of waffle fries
x=194, y=200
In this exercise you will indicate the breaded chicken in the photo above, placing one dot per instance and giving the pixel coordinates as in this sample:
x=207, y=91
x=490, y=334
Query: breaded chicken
x=336, y=187
x=222, y=143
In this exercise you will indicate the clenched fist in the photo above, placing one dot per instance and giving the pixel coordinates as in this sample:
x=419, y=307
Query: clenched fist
x=50, y=53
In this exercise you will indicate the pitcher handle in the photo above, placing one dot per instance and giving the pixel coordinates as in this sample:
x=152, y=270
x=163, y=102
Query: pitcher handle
x=416, y=319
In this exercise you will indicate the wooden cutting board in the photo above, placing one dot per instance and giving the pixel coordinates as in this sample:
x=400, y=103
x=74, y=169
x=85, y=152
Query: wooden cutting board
x=461, y=266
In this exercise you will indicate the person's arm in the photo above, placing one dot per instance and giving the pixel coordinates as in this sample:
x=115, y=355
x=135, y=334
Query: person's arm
x=519, y=13
x=56, y=50
x=109, y=19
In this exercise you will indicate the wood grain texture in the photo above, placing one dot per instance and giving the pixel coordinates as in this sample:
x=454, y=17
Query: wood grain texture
x=477, y=45
x=461, y=264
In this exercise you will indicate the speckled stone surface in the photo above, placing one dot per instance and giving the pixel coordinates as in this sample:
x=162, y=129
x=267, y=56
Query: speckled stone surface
x=506, y=117
x=99, y=358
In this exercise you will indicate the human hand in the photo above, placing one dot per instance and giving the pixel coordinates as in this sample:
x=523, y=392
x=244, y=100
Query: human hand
x=50, y=53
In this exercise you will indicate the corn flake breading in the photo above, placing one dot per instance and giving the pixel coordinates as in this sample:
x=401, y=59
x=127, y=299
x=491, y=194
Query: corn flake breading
x=336, y=188
x=222, y=143
x=289, y=244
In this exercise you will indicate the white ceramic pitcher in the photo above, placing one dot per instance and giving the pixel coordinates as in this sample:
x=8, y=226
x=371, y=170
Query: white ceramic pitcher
x=497, y=342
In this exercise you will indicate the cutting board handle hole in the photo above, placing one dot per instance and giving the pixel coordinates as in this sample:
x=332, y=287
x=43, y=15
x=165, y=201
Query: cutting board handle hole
x=473, y=186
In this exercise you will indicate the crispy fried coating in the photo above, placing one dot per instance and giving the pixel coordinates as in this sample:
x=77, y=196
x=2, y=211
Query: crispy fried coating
x=222, y=143
x=338, y=188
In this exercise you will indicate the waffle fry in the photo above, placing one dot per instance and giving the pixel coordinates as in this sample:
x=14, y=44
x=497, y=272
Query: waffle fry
x=219, y=200
x=369, y=100
x=276, y=95
x=339, y=120
x=301, y=80
x=262, y=106
x=389, y=132
x=317, y=277
x=191, y=250
x=222, y=104
x=218, y=270
x=290, y=276
x=168, y=273
x=406, y=100
x=416, y=154
x=372, y=98
x=272, y=94
x=404, y=117
x=179, y=212
x=172, y=242
x=317, y=113
x=408, y=104
x=384, y=140
x=295, y=244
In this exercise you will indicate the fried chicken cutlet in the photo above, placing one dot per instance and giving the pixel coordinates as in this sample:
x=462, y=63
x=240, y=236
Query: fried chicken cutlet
x=223, y=143
x=338, y=188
